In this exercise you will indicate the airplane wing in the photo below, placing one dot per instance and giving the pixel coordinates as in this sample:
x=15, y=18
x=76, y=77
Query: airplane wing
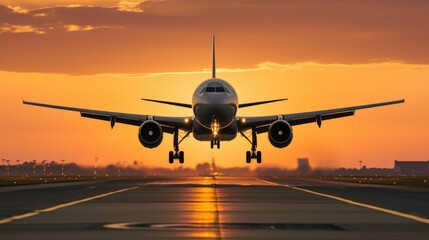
x=261, y=124
x=168, y=124
x=243, y=105
x=185, y=105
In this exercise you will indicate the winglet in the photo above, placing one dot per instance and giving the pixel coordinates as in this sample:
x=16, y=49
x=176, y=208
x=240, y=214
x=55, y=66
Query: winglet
x=214, y=56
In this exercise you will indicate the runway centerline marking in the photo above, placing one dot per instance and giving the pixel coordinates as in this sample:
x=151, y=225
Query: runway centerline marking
x=63, y=205
x=369, y=206
x=217, y=212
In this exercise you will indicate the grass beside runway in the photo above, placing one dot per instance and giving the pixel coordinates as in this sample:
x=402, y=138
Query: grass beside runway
x=16, y=181
x=20, y=180
x=410, y=181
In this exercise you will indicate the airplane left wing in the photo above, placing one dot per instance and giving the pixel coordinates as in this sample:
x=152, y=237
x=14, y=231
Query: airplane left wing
x=168, y=124
x=185, y=105
x=261, y=124
x=243, y=105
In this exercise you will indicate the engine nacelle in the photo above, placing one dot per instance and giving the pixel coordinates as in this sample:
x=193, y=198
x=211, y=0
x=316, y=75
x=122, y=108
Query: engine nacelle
x=150, y=134
x=280, y=134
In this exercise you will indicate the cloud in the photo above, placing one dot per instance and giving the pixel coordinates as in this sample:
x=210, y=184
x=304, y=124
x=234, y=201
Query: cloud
x=277, y=67
x=9, y=28
x=74, y=28
x=39, y=21
x=174, y=35
x=39, y=14
x=18, y=9
x=77, y=28
x=130, y=6
x=31, y=4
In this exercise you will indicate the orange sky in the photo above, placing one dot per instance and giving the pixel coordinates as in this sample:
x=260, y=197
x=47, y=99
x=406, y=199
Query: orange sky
x=319, y=54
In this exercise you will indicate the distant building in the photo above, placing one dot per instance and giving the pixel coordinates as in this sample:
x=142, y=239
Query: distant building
x=213, y=166
x=203, y=169
x=303, y=166
x=411, y=167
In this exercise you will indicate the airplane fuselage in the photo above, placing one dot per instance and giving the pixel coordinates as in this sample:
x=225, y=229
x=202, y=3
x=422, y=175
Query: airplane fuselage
x=214, y=101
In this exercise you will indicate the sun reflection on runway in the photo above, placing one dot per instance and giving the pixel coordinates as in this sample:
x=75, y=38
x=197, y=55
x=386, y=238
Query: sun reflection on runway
x=206, y=210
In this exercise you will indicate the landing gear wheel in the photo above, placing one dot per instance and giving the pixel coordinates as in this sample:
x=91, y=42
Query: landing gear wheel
x=248, y=157
x=181, y=157
x=214, y=142
x=259, y=157
x=176, y=154
x=253, y=154
x=170, y=157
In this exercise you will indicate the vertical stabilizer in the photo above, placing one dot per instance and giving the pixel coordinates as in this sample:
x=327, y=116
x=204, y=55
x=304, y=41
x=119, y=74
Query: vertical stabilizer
x=214, y=57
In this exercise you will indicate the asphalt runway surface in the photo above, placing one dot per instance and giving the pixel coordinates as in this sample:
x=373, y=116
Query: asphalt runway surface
x=213, y=208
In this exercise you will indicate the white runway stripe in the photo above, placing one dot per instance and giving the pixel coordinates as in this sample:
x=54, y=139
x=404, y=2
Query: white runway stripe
x=380, y=209
x=56, y=207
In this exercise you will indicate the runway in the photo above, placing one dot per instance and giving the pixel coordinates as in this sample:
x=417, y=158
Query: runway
x=213, y=208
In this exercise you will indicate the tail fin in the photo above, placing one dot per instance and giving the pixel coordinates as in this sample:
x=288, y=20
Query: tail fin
x=214, y=57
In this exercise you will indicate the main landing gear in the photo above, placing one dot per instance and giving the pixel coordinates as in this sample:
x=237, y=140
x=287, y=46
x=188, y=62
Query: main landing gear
x=180, y=155
x=253, y=154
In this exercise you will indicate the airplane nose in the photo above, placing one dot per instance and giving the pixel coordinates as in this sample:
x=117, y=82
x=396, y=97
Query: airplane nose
x=221, y=112
x=216, y=98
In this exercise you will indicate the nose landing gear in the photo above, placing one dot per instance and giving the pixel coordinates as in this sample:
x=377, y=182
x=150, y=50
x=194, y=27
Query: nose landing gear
x=253, y=154
x=214, y=142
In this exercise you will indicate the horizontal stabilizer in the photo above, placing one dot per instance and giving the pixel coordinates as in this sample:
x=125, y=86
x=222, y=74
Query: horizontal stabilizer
x=259, y=103
x=169, y=103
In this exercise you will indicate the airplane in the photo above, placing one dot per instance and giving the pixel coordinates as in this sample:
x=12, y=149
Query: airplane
x=214, y=105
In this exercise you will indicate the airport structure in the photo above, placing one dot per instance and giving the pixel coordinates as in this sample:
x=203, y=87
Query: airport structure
x=411, y=167
x=303, y=166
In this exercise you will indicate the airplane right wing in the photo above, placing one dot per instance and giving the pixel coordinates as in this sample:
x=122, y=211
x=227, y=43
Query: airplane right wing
x=261, y=124
x=168, y=124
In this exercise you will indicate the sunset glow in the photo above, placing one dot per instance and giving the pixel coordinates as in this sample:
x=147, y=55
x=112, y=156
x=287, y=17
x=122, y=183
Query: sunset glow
x=108, y=56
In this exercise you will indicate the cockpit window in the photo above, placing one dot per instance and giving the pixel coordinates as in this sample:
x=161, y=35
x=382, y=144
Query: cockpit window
x=220, y=89
x=214, y=89
x=210, y=89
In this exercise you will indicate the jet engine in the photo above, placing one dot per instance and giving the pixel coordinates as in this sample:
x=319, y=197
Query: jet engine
x=150, y=134
x=280, y=134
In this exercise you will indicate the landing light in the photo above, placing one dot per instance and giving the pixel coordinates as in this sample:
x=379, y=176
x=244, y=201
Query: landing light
x=215, y=126
x=186, y=120
x=243, y=120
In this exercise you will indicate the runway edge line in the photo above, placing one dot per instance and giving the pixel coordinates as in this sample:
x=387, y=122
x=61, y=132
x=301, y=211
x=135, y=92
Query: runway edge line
x=63, y=205
x=380, y=209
